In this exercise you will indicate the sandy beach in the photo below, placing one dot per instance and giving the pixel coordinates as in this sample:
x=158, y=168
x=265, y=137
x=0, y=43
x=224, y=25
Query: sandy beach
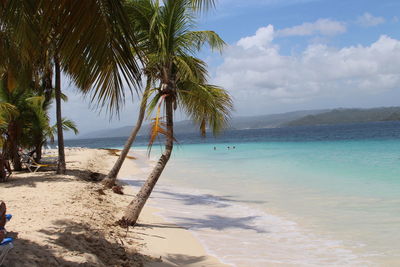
x=68, y=220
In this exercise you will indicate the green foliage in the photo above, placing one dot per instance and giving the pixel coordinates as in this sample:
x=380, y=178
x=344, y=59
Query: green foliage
x=168, y=45
x=91, y=38
x=28, y=110
x=67, y=125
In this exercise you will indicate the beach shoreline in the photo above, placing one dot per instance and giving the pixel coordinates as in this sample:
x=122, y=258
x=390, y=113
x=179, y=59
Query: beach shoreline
x=59, y=220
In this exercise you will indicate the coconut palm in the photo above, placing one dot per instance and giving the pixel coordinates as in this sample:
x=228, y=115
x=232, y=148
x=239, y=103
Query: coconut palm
x=38, y=131
x=13, y=91
x=181, y=80
x=90, y=41
x=142, y=15
x=24, y=121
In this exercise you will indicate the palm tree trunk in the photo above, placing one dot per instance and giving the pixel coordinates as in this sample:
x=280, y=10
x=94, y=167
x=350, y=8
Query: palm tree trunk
x=61, y=168
x=3, y=174
x=110, y=179
x=134, y=208
x=38, y=151
x=13, y=136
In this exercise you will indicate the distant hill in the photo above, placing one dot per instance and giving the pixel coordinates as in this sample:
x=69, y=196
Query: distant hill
x=179, y=127
x=342, y=116
x=237, y=123
x=296, y=118
x=270, y=121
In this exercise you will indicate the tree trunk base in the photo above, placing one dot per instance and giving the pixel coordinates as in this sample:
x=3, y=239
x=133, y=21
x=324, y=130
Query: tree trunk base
x=61, y=170
x=125, y=223
x=108, y=182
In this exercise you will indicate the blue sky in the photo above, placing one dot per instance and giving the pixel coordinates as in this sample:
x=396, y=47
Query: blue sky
x=234, y=19
x=286, y=55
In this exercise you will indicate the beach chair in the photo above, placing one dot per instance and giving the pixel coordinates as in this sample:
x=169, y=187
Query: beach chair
x=33, y=166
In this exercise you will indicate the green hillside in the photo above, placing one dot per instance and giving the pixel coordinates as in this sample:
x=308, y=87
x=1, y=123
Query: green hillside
x=342, y=116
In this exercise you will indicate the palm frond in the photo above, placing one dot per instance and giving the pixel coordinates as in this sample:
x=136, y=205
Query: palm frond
x=202, y=5
x=8, y=111
x=67, y=125
x=92, y=38
x=193, y=41
x=206, y=105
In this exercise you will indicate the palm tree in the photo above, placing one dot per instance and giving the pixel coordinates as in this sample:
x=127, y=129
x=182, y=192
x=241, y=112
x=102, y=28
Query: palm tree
x=90, y=41
x=22, y=88
x=181, y=81
x=14, y=92
x=141, y=15
x=109, y=180
x=37, y=130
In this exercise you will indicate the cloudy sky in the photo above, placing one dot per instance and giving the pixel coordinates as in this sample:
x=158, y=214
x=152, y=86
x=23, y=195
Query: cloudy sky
x=287, y=55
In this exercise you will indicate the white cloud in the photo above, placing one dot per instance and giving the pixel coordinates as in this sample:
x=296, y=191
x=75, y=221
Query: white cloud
x=368, y=20
x=256, y=72
x=261, y=39
x=326, y=27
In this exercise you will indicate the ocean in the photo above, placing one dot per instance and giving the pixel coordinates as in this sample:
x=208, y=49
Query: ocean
x=311, y=196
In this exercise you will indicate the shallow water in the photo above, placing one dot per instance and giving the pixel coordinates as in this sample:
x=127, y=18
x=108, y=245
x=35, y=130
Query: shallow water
x=334, y=203
x=311, y=196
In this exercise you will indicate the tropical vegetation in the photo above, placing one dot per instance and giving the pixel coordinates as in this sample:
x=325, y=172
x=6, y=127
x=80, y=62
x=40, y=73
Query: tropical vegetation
x=103, y=46
x=89, y=41
x=179, y=79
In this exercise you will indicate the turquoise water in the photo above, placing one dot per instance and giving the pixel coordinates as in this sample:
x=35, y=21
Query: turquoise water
x=304, y=196
x=347, y=191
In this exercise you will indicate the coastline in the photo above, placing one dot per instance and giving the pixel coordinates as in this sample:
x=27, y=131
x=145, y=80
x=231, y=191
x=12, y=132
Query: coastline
x=59, y=220
x=256, y=236
x=175, y=245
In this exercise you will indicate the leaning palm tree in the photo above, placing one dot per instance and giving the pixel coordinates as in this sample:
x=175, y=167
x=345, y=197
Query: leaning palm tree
x=181, y=80
x=142, y=15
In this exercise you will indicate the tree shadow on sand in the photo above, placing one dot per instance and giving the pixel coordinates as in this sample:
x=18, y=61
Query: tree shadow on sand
x=197, y=199
x=217, y=222
x=19, y=179
x=32, y=180
x=80, y=245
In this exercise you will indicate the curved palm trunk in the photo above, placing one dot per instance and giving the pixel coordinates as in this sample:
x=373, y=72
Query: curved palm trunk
x=134, y=208
x=61, y=168
x=109, y=181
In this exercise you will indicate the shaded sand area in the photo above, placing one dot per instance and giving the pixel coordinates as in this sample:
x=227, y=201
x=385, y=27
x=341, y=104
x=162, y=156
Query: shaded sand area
x=67, y=220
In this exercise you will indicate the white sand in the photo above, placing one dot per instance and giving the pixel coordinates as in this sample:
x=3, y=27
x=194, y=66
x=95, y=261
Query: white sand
x=64, y=221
